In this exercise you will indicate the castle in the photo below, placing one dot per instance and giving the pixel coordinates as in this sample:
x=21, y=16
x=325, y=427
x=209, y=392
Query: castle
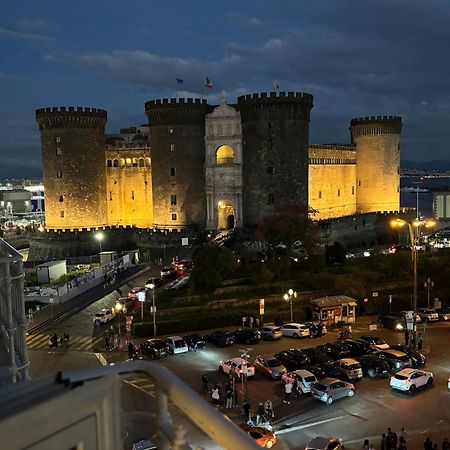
x=212, y=167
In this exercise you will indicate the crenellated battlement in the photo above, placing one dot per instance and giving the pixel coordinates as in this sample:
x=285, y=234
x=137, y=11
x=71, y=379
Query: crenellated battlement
x=375, y=119
x=172, y=110
x=276, y=97
x=375, y=125
x=71, y=117
x=340, y=147
x=175, y=101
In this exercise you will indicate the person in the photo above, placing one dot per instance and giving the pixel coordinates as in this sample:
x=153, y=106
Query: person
x=268, y=409
x=366, y=444
x=445, y=444
x=205, y=382
x=383, y=442
x=61, y=340
x=55, y=340
x=402, y=443
x=107, y=343
x=130, y=350
x=428, y=444
x=298, y=387
x=371, y=446
x=389, y=440
x=246, y=408
x=50, y=344
x=260, y=414
x=407, y=337
x=267, y=425
x=287, y=392
x=394, y=440
x=229, y=397
x=215, y=395
x=251, y=418
x=66, y=338
x=403, y=433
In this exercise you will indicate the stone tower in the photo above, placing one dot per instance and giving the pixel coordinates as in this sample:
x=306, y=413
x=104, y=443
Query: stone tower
x=377, y=141
x=177, y=131
x=275, y=130
x=73, y=159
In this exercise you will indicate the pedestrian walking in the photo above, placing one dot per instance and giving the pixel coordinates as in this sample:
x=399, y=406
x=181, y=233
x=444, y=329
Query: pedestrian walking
x=61, y=340
x=246, y=408
x=407, y=337
x=205, y=382
x=229, y=397
x=428, y=444
x=402, y=443
x=394, y=440
x=445, y=444
x=215, y=395
x=259, y=414
x=50, y=345
x=268, y=409
x=389, y=440
x=287, y=392
x=130, y=350
x=366, y=444
x=298, y=387
x=383, y=442
x=55, y=340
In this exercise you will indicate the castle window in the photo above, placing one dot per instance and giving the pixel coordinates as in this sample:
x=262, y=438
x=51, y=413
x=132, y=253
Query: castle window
x=108, y=163
x=58, y=151
x=110, y=195
x=147, y=162
x=353, y=190
x=61, y=214
x=115, y=163
x=359, y=183
x=172, y=171
x=122, y=162
x=61, y=198
x=59, y=174
x=270, y=199
x=320, y=194
x=128, y=162
x=173, y=200
x=339, y=192
x=132, y=195
x=270, y=170
x=141, y=162
x=174, y=217
x=225, y=155
x=170, y=130
x=57, y=139
x=135, y=162
x=172, y=147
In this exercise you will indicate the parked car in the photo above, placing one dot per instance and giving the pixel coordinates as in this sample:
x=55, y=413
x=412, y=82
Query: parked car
x=316, y=356
x=392, y=322
x=302, y=378
x=293, y=359
x=155, y=281
x=330, y=389
x=443, y=313
x=357, y=347
x=316, y=329
x=397, y=360
x=154, y=348
x=377, y=342
x=144, y=444
x=220, y=338
x=269, y=366
x=176, y=345
x=324, y=443
x=327, y=371
x=294, y=330
x=270, y=333
x=103, y=316
x=410, y=379
x=352, y=368
x=418, y=359
x=263, y=437
x=185, y=265
x=168, y=272
x=428, y=314
x=195, y=342
x=373, y=366
x=418, y=319
x=134, y=292
x=238, y=366
x=335, y=350
x=246, y=336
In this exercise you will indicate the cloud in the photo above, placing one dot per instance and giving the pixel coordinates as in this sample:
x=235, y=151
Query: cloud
x=29, y=29
x=25, y=35
x=243, y=21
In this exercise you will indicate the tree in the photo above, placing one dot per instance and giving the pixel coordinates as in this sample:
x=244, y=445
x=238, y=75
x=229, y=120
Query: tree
x=290, y=223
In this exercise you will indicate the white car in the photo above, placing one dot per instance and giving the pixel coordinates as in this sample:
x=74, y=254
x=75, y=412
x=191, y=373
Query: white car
x=238, y=366
x=410, y=379
x=294, y=330
x=428, y=314
x=176, y=345
x=351, y=366
x=103, y=316
x=303, y=378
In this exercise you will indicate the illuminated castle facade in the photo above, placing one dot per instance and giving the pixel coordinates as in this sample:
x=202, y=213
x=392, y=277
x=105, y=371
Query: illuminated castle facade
x=212, y=167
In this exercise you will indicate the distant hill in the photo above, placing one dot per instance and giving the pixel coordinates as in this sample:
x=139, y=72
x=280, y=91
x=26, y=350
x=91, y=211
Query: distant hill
x=437, y=164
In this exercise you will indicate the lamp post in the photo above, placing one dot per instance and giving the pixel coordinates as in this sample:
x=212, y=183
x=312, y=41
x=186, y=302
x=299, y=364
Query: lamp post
x=414, y=234
x=244, y=377
x=289, y=296
x=152, y=286
x=99, y=236
x=428, y=285
x=120, y=309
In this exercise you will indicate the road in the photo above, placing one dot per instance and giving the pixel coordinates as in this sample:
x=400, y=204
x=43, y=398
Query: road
x=366, y=415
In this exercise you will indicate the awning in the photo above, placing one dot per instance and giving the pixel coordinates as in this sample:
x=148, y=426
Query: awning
x=352, y=304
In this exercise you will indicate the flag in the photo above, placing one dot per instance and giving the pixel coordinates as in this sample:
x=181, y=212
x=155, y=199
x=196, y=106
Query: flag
x=180, y=80
x=208, y=83
x=276, y=84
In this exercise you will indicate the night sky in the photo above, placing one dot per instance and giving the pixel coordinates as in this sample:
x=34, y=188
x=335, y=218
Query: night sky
x=357, y=58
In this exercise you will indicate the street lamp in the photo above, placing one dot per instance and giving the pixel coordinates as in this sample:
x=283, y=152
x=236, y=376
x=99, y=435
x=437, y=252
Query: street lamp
x=152, y=286
x=99, y=236
x=414, y=235
x=119, y=308
x=289, y=296
x=428, y=285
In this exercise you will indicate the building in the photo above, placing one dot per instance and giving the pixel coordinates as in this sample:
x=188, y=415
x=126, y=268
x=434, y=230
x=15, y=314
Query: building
x=212, y=167
x=15, y=201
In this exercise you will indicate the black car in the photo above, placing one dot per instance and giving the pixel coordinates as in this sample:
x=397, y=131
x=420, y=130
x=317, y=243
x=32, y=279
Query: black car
x=396, y=359
x=357, y=347
x=394, y=322
x=220, y=338
x=335, y=350
x=376, y=342
x=293, y=359
x=194, y=342
x=373, y=366
x=154, y=348
x=328, y=371
x=418, y=359
x=154, y=281
x=168, y=273
x=247, y=336
x=317, y=356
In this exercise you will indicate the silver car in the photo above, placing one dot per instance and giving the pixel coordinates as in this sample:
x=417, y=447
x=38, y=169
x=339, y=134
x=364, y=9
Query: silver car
x=330, y=389
x=269, y=366
x=270, y=333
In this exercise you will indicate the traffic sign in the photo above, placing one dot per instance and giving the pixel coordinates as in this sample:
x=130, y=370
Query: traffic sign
x=141, y=296
x=261, y=307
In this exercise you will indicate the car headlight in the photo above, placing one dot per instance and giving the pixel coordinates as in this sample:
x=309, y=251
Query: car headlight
x=397, y=364
x=399, y=326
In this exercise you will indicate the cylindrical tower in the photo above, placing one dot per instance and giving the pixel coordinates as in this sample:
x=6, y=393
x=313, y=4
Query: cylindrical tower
x=377, y=141
x=177, y=147
x=275, y=130
x=73, y=161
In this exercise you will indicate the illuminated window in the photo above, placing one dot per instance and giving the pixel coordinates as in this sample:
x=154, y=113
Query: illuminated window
x=147, y=162
x=170, y=130
x=128, y=162
x=59, y=174
x=174, y=217
x=58, y=151
x=270, y=170
x=121, y=162
x=61, y=198
x=172, y=147
x=270, y=199
x=173, y=200
x=61, y=214
x=135, y=162
x=57, y=139
x=172, y=171
x=225, y=155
